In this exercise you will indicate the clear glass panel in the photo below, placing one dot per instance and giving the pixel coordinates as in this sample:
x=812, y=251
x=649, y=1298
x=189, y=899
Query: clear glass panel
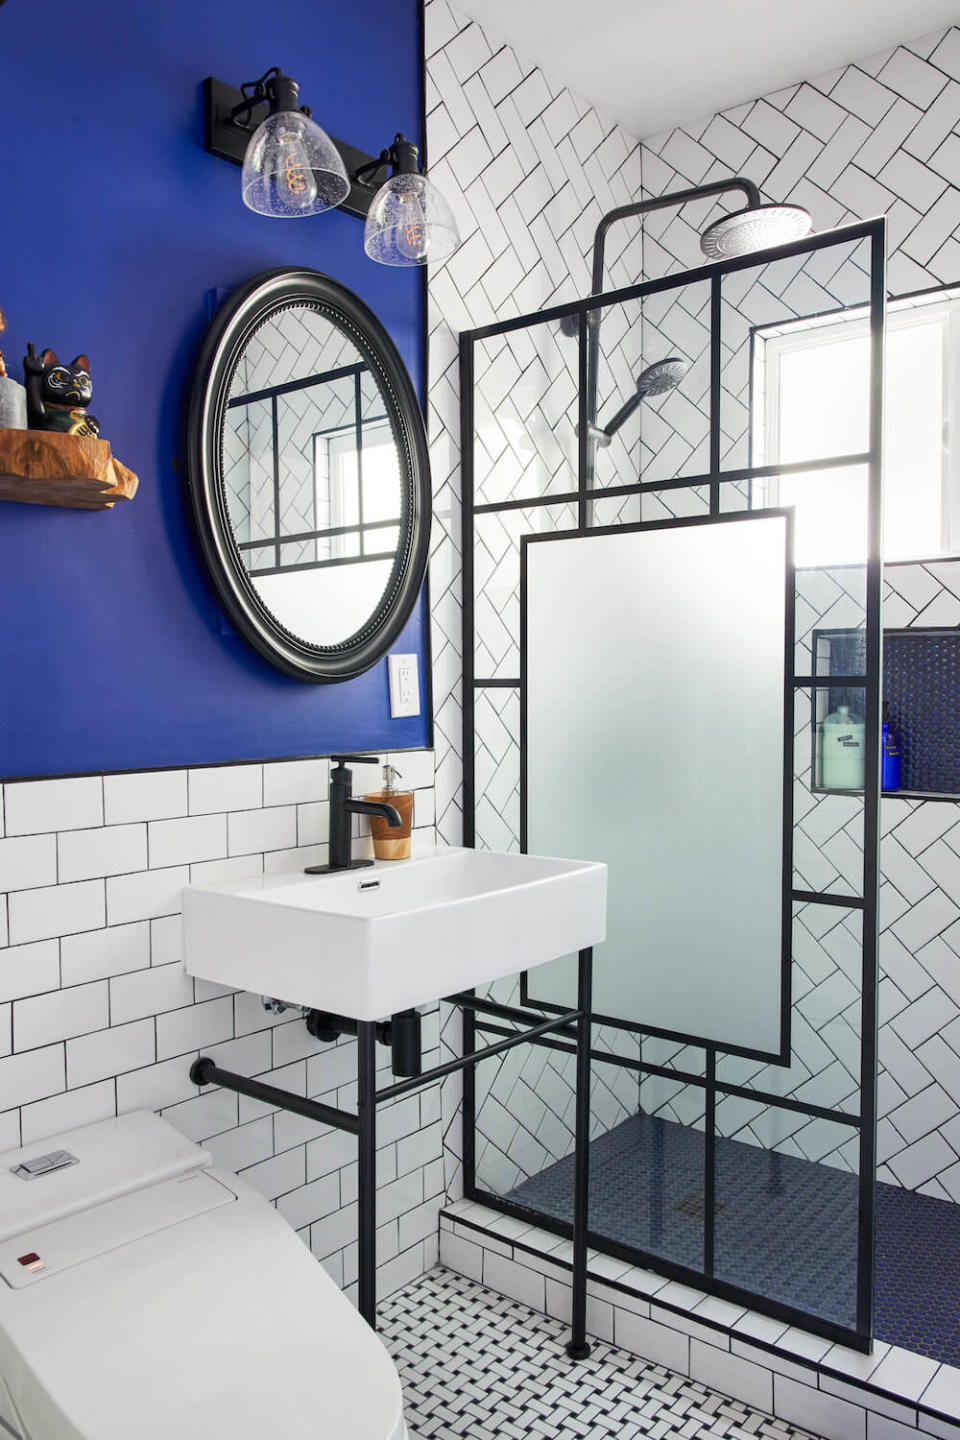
x=772, y=316
x=667, y=433
x=496, y=612
x=525, y=1125
x=811, y=380
x=688, y=501
x=525, y=414
x=787, y=1207
x=647, y=1173
x=830, y=599
x=914, y=448
x=526, y=1120
x=688, y=679
x=616, y=458
x=674, y=1055
x=497, y=768
x=823, y=397
x=825, y=1019
x=828, y=823
x=615, y=510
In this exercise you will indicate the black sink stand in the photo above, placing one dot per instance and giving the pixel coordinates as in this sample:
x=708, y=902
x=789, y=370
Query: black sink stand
x=574, y=1024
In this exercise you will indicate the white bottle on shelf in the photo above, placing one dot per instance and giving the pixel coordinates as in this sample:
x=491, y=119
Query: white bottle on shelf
x=13, y=401
x=842, y=751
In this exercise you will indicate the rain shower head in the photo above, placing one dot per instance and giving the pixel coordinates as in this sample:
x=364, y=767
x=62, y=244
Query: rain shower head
x=756, y=227
x=657, y=379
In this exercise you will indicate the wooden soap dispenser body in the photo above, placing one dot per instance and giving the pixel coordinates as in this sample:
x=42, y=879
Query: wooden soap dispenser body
x=391, y=842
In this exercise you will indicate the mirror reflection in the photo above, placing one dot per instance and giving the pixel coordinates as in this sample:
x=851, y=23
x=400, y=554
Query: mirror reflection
x=311, y=475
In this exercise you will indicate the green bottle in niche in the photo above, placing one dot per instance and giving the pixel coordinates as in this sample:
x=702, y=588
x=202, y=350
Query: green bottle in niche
x=842, y=752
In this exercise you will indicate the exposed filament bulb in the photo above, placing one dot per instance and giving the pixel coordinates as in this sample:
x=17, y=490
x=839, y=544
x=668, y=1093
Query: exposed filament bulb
x=297, y=176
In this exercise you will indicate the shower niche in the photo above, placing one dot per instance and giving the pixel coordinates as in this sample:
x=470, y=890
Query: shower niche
x=921, y=680
x=632, y=697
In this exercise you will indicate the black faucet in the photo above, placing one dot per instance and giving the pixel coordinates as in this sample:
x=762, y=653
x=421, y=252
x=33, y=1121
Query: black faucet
x=342, y=806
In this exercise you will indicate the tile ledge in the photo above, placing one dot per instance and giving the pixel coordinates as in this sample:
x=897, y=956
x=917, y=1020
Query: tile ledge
x=472, y=1214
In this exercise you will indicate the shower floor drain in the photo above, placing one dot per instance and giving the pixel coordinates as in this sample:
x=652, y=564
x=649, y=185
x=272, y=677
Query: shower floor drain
x=695, y=1206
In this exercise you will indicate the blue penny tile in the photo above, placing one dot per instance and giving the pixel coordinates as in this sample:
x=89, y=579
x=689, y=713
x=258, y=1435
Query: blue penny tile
x=786, y=1228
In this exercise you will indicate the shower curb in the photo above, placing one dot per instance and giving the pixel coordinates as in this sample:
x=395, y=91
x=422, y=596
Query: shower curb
x=790, y=1374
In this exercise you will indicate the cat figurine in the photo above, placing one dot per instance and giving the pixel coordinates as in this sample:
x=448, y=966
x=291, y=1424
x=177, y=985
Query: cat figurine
x=58, y=395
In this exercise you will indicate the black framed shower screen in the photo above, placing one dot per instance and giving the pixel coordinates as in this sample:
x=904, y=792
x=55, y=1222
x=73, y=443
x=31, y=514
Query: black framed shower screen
x=716, y=476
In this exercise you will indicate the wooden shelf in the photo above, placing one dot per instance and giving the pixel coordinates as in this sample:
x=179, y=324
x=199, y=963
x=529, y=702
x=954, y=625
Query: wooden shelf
x=78, y=472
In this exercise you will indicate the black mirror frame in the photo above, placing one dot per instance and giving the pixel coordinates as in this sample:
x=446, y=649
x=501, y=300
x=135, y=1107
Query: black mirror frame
x=243, y=313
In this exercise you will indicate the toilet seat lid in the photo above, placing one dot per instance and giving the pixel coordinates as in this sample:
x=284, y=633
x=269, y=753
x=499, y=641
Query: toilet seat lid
x=219, y=1327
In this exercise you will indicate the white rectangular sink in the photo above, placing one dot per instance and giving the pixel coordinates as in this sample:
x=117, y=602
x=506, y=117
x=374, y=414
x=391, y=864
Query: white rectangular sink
x=366, y=943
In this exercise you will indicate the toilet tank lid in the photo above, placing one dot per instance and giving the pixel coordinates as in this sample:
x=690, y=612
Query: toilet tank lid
x=77, y=1169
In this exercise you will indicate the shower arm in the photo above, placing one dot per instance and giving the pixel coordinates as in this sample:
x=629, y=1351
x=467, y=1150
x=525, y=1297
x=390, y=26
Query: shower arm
x=626, y=212
x=660, y=202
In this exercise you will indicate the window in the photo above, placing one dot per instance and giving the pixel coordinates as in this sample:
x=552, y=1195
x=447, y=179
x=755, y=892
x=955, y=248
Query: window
x=814, y=378
x=361, y=492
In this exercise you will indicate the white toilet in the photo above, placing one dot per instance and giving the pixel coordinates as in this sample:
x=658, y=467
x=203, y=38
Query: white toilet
x=146, y=1295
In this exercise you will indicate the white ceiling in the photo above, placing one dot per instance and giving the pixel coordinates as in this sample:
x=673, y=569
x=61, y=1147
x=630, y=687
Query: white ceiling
x=653, y=64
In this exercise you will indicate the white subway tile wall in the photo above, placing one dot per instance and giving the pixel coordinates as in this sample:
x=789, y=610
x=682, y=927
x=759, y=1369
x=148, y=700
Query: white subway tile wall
x=98, y=1016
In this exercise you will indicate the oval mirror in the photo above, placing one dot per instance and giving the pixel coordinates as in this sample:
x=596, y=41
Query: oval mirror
x=309, y=475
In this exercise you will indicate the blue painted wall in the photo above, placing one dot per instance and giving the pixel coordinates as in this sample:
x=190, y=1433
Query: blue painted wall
x=115, y=226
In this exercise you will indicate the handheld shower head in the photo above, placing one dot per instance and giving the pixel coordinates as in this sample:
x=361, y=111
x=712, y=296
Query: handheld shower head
x=662, y=376
x=754, y=228
x=657, y=379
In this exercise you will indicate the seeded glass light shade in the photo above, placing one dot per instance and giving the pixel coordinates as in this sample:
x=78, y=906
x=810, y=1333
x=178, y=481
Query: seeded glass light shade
x=292, y=168
x=409, y=223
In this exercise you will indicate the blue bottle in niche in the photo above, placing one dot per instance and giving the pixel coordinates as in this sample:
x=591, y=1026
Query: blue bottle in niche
x=890, y=758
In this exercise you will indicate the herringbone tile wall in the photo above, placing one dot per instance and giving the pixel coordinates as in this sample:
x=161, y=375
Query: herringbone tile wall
x=878, y=137
x=531, y=169
x=875, y=138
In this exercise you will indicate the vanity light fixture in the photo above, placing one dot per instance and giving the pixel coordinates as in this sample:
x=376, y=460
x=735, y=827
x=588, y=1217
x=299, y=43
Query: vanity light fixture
x=293, y=168
x=409, y=222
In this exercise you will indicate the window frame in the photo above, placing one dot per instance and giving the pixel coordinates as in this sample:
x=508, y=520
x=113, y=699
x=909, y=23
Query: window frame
x=942, y=306
x=376, y=433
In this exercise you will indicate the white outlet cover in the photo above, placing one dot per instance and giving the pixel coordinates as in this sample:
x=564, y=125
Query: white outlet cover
x=404, y=673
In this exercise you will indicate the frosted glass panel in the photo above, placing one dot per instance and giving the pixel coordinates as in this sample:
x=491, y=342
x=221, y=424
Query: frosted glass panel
x=655, y=742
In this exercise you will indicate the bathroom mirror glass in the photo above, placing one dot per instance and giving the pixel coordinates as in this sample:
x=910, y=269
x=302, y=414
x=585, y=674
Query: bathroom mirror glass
x=309, y=475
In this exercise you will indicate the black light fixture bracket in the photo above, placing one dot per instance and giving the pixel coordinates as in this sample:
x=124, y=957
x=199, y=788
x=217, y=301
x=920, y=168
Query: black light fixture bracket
x=231, y=116
x=403, y=158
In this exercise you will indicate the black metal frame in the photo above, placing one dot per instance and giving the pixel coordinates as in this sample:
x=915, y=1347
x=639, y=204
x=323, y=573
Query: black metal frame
x=254, y=303
x=578, y=317
x=363, y=1124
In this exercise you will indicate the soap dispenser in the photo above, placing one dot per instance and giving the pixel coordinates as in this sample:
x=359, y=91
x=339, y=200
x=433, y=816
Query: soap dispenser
x=391, y=842
x=842, y=751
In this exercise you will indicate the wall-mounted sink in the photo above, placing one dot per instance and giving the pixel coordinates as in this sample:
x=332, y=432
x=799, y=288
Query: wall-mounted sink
x=367, y=943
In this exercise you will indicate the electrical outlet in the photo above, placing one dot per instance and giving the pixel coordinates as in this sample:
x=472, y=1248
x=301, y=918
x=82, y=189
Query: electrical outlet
x=404, y=685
